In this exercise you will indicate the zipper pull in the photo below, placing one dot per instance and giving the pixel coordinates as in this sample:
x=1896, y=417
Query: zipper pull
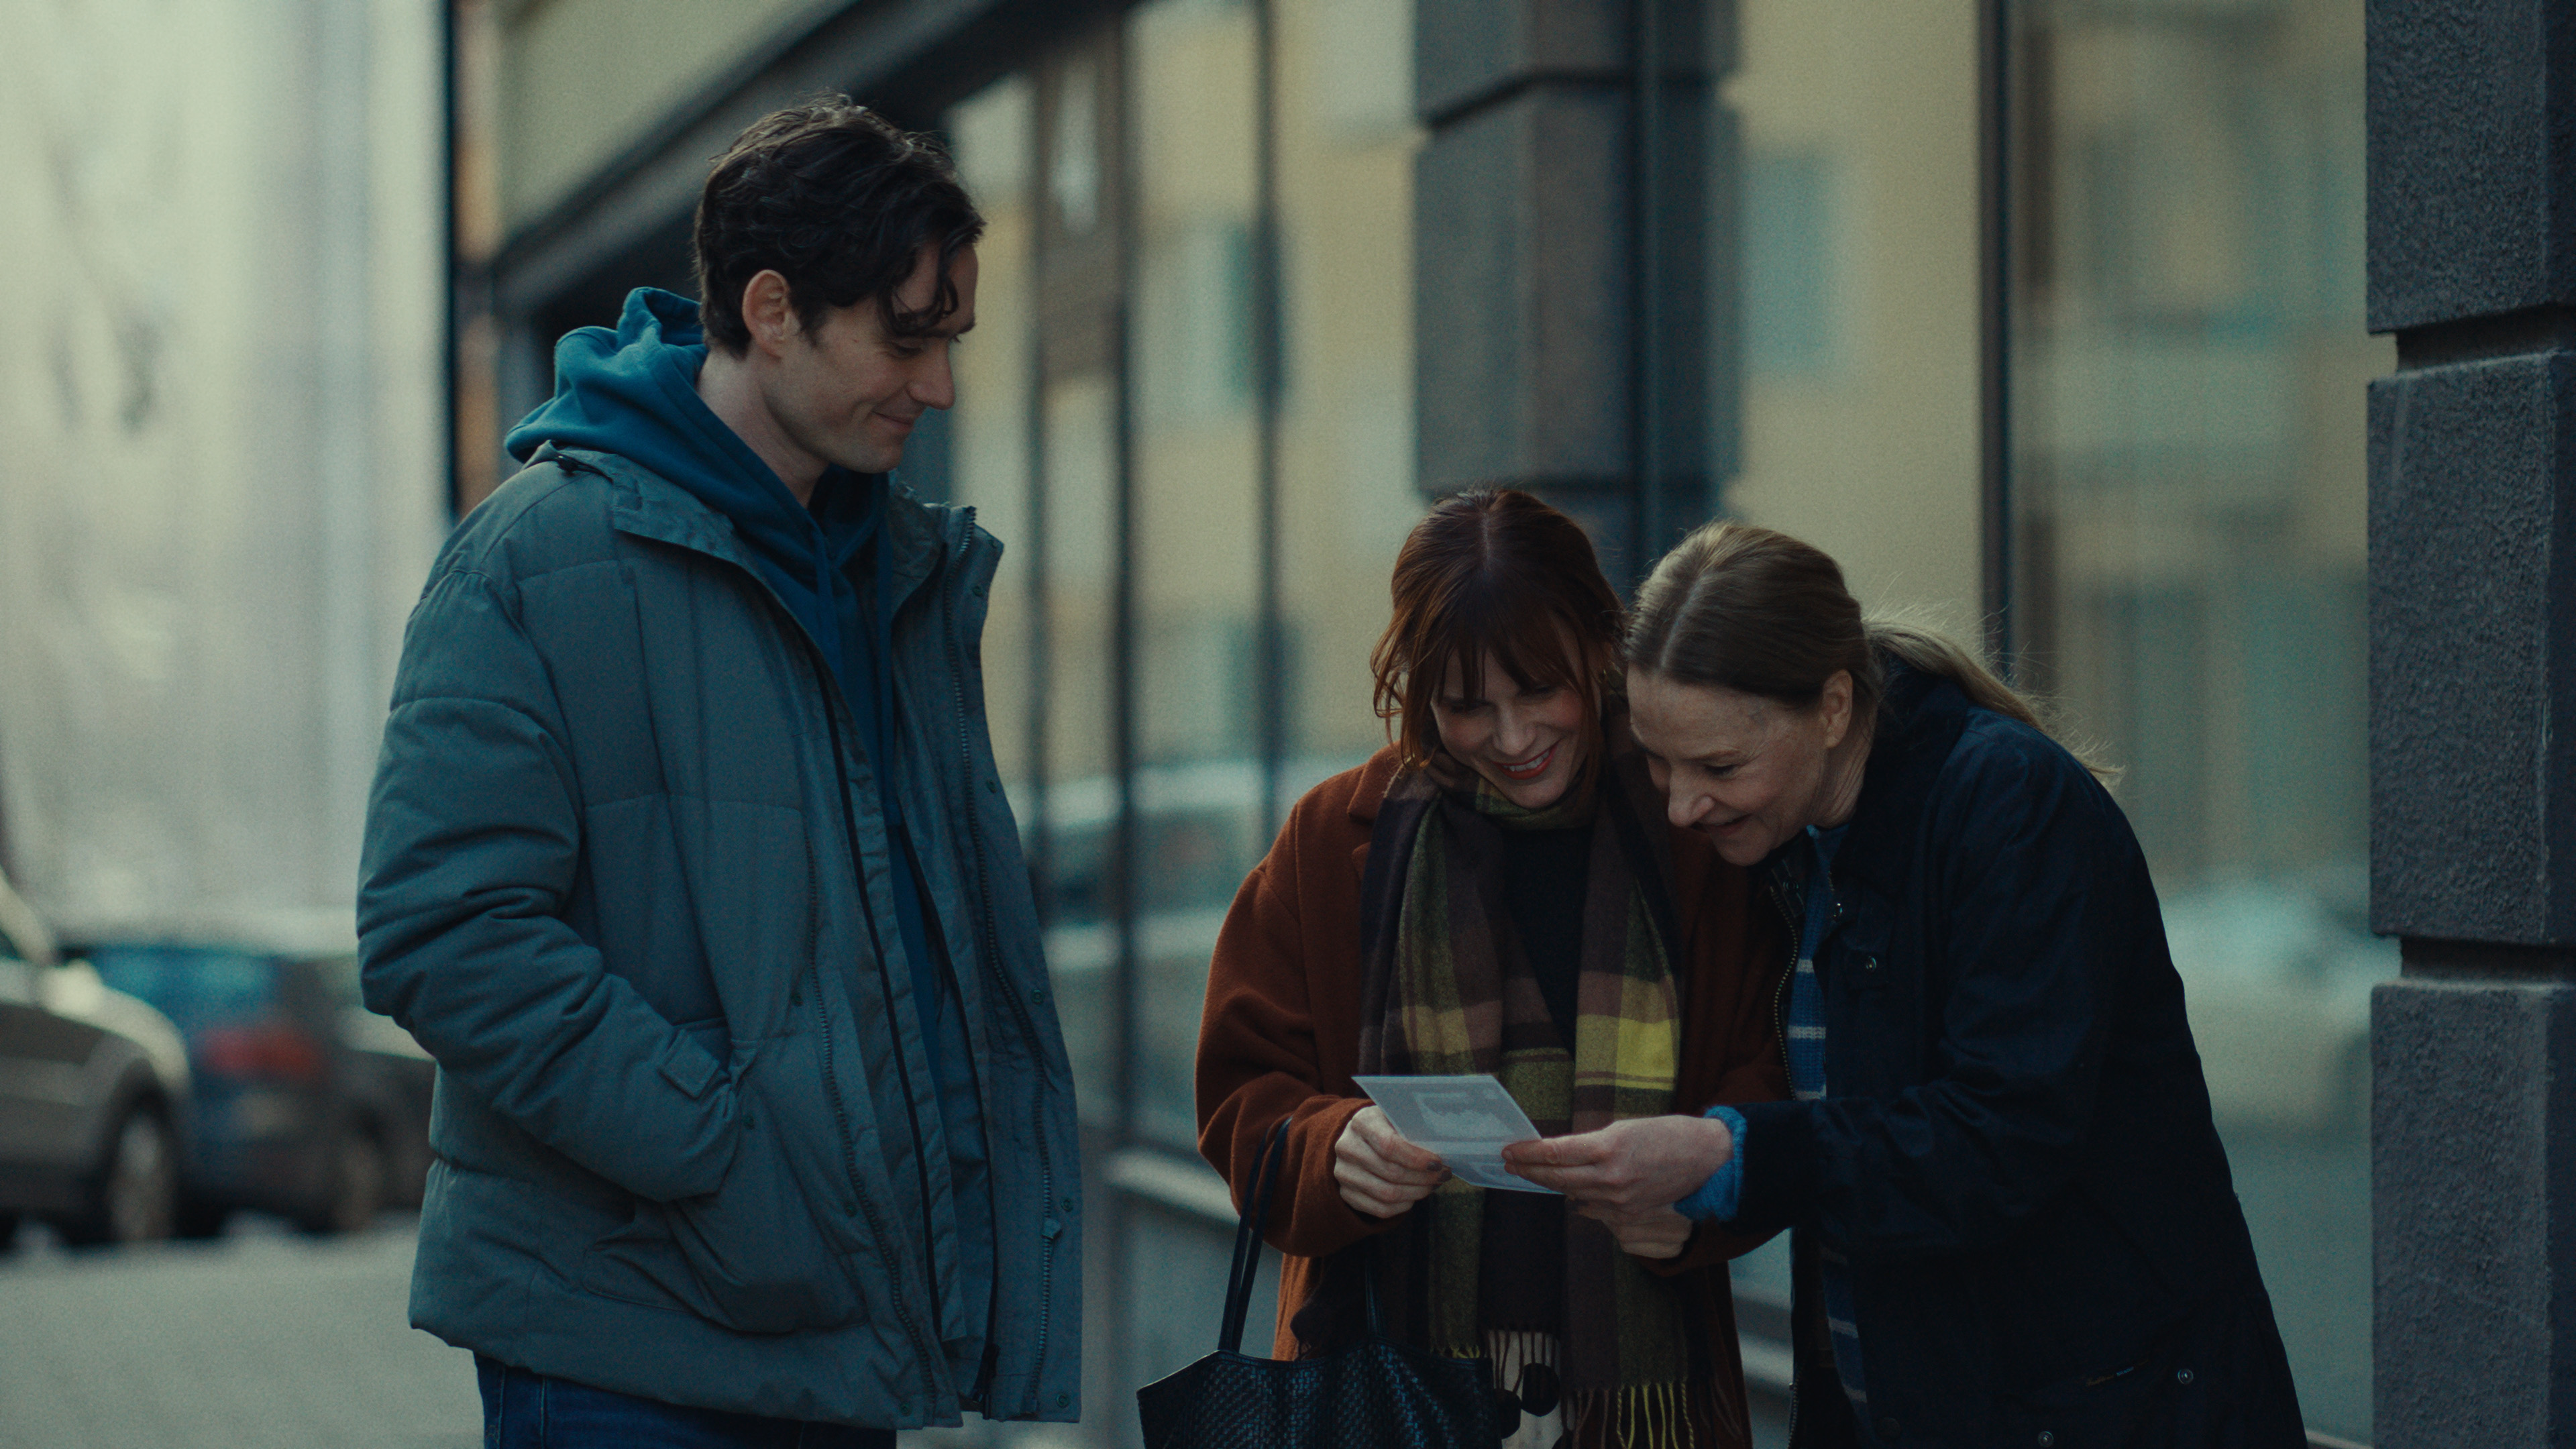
x=983, y=1392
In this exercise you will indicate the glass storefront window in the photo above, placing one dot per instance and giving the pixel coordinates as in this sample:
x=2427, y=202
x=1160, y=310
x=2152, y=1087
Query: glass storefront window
x=2188, y=471
x=1077, y=813
x=1192, y=368
x=1186, y=409
x=1346, y=141
x=1113, y=427
x=1851, y=204
x=990, y=136
x=1036, y=432
x=2187, y=360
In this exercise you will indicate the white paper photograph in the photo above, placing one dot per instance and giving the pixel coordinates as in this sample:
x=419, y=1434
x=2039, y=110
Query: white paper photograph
x=1467, y=1120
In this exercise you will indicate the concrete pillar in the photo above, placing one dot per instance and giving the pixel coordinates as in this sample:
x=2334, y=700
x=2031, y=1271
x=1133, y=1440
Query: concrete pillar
x=1537, y=309
x=2472, y=209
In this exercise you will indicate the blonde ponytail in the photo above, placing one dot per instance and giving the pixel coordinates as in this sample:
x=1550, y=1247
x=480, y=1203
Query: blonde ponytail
x=1751, y=609
x=1928, y=651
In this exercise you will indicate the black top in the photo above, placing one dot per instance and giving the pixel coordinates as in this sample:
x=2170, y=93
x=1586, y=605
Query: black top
x=1543, y=878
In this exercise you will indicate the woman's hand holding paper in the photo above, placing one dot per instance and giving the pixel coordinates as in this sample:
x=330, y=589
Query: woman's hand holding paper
x=1628, y=1169
x=1377, y=1170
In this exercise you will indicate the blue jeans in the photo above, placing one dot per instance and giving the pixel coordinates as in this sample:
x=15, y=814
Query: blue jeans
x=523, y=1410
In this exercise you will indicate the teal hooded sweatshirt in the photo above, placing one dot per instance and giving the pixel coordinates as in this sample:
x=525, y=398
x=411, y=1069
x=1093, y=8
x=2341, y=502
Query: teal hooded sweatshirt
x=634, y=392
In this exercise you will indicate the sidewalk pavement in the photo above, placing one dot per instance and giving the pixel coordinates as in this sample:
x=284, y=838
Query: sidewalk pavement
x=259, y=1340
x=263, y=1339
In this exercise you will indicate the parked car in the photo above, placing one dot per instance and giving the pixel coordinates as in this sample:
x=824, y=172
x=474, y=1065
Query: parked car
x=94, y=1105
x=306, y=1105
x=2277, y=973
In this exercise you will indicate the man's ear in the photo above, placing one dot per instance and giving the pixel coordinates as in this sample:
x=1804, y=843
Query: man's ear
x=769, y=311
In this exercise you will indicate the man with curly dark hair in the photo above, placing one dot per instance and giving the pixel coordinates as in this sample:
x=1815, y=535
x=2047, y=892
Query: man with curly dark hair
x=688, y=861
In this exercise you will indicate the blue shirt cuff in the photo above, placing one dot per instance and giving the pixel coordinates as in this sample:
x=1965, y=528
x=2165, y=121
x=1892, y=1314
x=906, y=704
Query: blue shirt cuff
x=1716, y=1199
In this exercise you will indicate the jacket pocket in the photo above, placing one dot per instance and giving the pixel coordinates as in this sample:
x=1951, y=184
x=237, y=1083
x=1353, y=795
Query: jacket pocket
x=753, y=1256
x=2113, y=1409
x=2157, y=1391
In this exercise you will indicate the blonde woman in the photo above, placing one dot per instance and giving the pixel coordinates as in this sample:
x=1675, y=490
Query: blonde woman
x=2012, y=1219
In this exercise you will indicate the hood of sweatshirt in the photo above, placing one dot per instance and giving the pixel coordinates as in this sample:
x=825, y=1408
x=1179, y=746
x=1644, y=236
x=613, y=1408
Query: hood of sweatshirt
x=634, y=392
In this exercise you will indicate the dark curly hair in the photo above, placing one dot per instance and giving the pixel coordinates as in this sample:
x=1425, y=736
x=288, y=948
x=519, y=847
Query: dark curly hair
x=838, y=201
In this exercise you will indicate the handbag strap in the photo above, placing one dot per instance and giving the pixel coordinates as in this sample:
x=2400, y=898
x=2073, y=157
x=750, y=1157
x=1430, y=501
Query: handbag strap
x=1368, y=1288
x=1247, y=1239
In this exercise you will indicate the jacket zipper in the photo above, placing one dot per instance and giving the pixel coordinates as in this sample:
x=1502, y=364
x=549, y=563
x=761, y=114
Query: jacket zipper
x=1001, y=979
x=823, y=1012
x=1780, y=995
x=1780, y=1025
x=903, y=1073
x=1780, y=1028
x=930, y=1359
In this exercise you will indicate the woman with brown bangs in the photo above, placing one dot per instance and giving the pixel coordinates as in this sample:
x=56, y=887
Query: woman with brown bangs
x=1497, y=892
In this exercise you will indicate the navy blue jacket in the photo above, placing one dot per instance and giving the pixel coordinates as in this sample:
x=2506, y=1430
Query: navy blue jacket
x=2016, y=1154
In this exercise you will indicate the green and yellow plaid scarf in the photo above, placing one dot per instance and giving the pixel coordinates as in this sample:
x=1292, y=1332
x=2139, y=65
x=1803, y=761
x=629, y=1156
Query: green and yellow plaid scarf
x=1449, y=990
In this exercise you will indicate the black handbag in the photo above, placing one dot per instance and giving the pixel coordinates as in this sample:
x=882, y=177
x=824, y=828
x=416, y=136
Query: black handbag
x=1372, y=1395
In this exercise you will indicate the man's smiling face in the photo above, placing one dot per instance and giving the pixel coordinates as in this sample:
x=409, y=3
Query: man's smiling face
x=849, y=391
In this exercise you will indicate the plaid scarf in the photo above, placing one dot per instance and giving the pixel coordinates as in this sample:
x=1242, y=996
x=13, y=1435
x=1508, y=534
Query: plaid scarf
x=1449, y=990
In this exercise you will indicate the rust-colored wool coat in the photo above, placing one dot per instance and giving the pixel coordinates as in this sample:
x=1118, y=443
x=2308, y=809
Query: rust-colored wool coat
x=1281, y=1032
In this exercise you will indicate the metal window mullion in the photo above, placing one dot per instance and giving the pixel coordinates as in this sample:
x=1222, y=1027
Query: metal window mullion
x=1039, y=828
x=452, y=298
x=1994, y=320
x=1119, y=214
x=1268, y=368
x=1653, y=509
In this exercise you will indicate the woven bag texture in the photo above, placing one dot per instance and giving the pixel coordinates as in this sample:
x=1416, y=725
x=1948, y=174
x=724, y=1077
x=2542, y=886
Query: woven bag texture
x=1374, y=1395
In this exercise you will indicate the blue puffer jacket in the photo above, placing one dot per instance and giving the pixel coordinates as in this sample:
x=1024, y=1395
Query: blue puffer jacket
x=2016, y=1157
x=613, y=882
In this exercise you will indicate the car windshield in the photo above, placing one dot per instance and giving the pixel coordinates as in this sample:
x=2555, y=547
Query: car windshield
x=193, y=986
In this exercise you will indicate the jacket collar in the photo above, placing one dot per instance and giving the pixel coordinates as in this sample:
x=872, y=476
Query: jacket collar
x=1368, y=792
x=647, y=505
x=1920, y=719
x=917, y=537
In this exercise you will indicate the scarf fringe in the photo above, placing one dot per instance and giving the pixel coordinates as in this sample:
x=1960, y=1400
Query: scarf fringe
x=1643, y=1416
x=1510, y=1350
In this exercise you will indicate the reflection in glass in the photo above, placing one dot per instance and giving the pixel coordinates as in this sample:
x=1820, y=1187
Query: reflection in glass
x=2189, y=363
x=1079, y=524
x=1073, y=178
x=1346, y=140
x=993, y=135
x=1197, y=518
x=1124, y=325
x=990, y=136
x=1849, y=205
x=1048, y=641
